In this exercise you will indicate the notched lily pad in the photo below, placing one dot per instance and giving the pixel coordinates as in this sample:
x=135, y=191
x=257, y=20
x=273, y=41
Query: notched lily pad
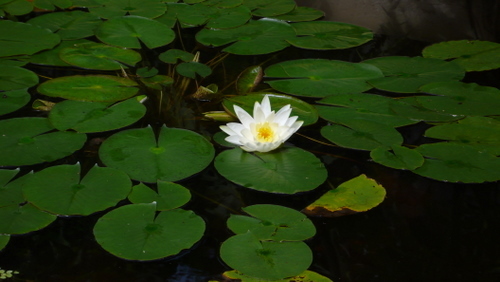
x=353, y=196
x=168, y=196
x=19, y=38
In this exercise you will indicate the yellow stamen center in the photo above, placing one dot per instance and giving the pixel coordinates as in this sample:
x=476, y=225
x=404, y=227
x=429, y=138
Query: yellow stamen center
x=264, y=132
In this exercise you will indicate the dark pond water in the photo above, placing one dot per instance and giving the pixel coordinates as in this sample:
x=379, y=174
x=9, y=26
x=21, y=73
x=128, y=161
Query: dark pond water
x=425, y=230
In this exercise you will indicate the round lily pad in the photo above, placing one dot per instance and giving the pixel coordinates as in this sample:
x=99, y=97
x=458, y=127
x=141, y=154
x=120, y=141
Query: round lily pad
x=135, y=232
x=99, y=56
x=306, y=276
x=116, y=8
x=356, y=195
x=169, y=195
x=19, y=38
x=94, y=116
x=458, y=98
x=472, y=55
x=51, y=57
x=326, y=35
x=303, y=110
x=68, y=25
x=407, y=74
x=62, y=189
x=270, y=260
x=266, y=8
x=126, y=32
x=26, y=141
x=287, y=170
x=92, y=88
x=13, y=78
x=272, y=222
x=191, y=69
x=21, y=219
x=410, y=108
x=11, y=192
x=13, y=100
x=254, y=38
x=177, y=154
x=398, y=157
x=362, y=135
x=300, y=14
x=171, y=56
x=4, y=240
x=455, y=162
x=320, y=77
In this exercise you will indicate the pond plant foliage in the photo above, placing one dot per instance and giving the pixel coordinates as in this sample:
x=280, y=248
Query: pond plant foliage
x=76, y=72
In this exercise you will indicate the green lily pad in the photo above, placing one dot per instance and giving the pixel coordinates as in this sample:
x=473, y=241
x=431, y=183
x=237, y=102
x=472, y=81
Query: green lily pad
x=458, y=98
x=406, y=75
x=95, y=117
x=146, y=72
x=19, y=38
x=129, y=31
x=91, y=88
x=360, y=106
x=254, y=38
x=249, y=79
x=353, y=196
x=135, y=232
x=266, y=8
x=169, y=196
x=62, y=189
x=21, y=219
x=68, y=25
x=303, y=110
x=306, y=276
x=362, y=135
x=52, y=4
x=26, y=141
x=222, y=3
x=51, y=57
x=13, y=100
x=11, y=192
x=16, y=7
x=481, y=132
x=99, y=56
x=272, y=222
x=409, y=107
x=300, y=14
x=116, y=8
x=472, y=55
x=175, y=155
x=191, y=69
x=269, y=260
x=455, y=162
x=212, y=16
x=4, y=240
x=320, y=77
x=398, y=157
x=157, y=82
x=13, y=78
x=288, y=170
x=325, y=35
x=171, y=56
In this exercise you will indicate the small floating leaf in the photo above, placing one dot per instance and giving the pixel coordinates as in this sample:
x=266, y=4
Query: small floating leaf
x=19, y=38
x=135, y=232
x=306, y=276
x=300, y=14
x=272, y=222
x=356, y=195
x=169, y=196
x=288, y=170
x=95, y=117
x=62, y=189
x=92, y=88
x=455, y=162
x=269, y=260
x=171, y=56
x=265, y=8
x=472, y=55
x=398, y=157
x=14, y=78
x=13, y=100
x=325, y=35
x=129, y=31
x=177, y=154
x=249, y=79
x=320, y=77
x=26, y=141
x=116, y=8
x=398, y=77
x=191, y=69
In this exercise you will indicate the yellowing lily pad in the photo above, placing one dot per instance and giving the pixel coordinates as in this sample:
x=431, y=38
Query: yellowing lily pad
x=306, y=276
x=353, y=196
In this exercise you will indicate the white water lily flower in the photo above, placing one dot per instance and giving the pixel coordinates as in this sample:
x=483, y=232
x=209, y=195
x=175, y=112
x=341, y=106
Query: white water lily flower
x=263, y=132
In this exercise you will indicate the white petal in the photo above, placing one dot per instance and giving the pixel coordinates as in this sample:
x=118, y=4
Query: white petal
x=235, y=127
x=266, y=105
x=291, y=120
x=243, y=116
x=258, y=115
x=227, y=130
x=282, y=116
x=247, y=135
x=234, y=139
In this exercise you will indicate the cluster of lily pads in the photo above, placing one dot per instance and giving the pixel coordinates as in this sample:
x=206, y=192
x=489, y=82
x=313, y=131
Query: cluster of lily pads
x=135, y=65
